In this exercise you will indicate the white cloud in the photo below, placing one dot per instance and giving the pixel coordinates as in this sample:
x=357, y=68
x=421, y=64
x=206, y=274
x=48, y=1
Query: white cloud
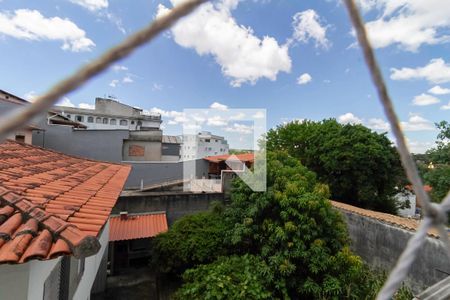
x=127, y=79
x=238, y=116
x=30, y=96
x=86, y=106
x=243, y=57
x=366, y=5
x=307, y=26
x=378, y=124
x=118, y=68
x=240, y=128
x=349, y=118
x=407, y=23
x=115, y=20
x=437, y=71
x=217, y=121
x=259, y=115
x=446, y=106
x=418, y=147
x=304, y=78
x=31, y=25
x=218, y=106
x=114, y=83
x=417, y=123
x=425, y=99
x=157, y=87
x=91, y=5
x=65, y=102
x=437, y=90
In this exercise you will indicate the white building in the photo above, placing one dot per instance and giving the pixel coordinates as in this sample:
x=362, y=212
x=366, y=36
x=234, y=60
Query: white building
x=203, y=144
x=110, y=114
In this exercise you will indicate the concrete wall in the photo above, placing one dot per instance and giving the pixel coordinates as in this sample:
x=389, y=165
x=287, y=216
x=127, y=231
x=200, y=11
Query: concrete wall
x=159, y=172
x=380, y=245
x=91, y=267
x=39, y=272
x=94, y=144
x=151, y=151
x=170, y=149
x=175, y=204
x=14, y=280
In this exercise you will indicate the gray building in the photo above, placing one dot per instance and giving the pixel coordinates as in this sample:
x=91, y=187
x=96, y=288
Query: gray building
x=154, y=156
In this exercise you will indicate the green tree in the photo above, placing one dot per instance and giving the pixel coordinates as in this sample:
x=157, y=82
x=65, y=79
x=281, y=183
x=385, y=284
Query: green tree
x=234, y=277
x=294, y=229
x=439, y=179
x=441, y=153
x=360, y=166
x=192, y=240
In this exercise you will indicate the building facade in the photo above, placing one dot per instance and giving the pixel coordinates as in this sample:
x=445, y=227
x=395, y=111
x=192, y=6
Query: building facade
x=9, y=102
x=110, y=114
x=203, y=144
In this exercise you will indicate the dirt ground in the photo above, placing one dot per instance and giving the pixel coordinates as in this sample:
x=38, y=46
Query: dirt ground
x=136, y=283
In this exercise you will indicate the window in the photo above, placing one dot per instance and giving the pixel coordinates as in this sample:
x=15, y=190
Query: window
x=79, y=118
x=207, y=140
x=123, y=122
x=90, y=119
x=20, y=138
x=68, y=116
x=113, y=122
x=132, y=122
x=216, y=141
x=105, y=120
x=98, y=120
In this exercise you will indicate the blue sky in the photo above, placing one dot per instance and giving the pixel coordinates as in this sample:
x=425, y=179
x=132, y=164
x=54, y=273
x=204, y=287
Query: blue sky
x=296, y=59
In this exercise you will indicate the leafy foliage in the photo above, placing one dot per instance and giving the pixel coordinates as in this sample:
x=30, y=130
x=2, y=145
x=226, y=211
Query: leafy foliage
x=439, y=179
x=441, y=153
x=439, y=176
x=294, y=229
x=192, y=240
x=234, y=277
x=360, y=166
x=285, y=243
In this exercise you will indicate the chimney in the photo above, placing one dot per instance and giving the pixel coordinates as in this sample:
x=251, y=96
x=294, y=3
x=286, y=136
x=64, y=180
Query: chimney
x=123, y=215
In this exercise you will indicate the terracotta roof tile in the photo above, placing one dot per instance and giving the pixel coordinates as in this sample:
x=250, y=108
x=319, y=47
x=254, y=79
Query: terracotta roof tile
x=401, y=222
x=245, y=157
x=137, y=226
x=53, y=204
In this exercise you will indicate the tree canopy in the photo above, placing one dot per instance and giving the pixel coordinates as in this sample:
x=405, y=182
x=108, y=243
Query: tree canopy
x=294, y=229
x=439, y=176
x=360, y=166
x=192, y=240
x=234, y=277
x=285, y=243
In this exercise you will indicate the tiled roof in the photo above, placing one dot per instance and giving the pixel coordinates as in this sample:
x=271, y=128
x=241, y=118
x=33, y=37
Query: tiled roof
x=405, y=223
x=171, y=139
x=246, y=157
x=52, y=203
x=137, y=226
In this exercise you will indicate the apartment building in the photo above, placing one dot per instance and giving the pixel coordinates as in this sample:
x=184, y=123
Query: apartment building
x=203, y=144
x=110, y=114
